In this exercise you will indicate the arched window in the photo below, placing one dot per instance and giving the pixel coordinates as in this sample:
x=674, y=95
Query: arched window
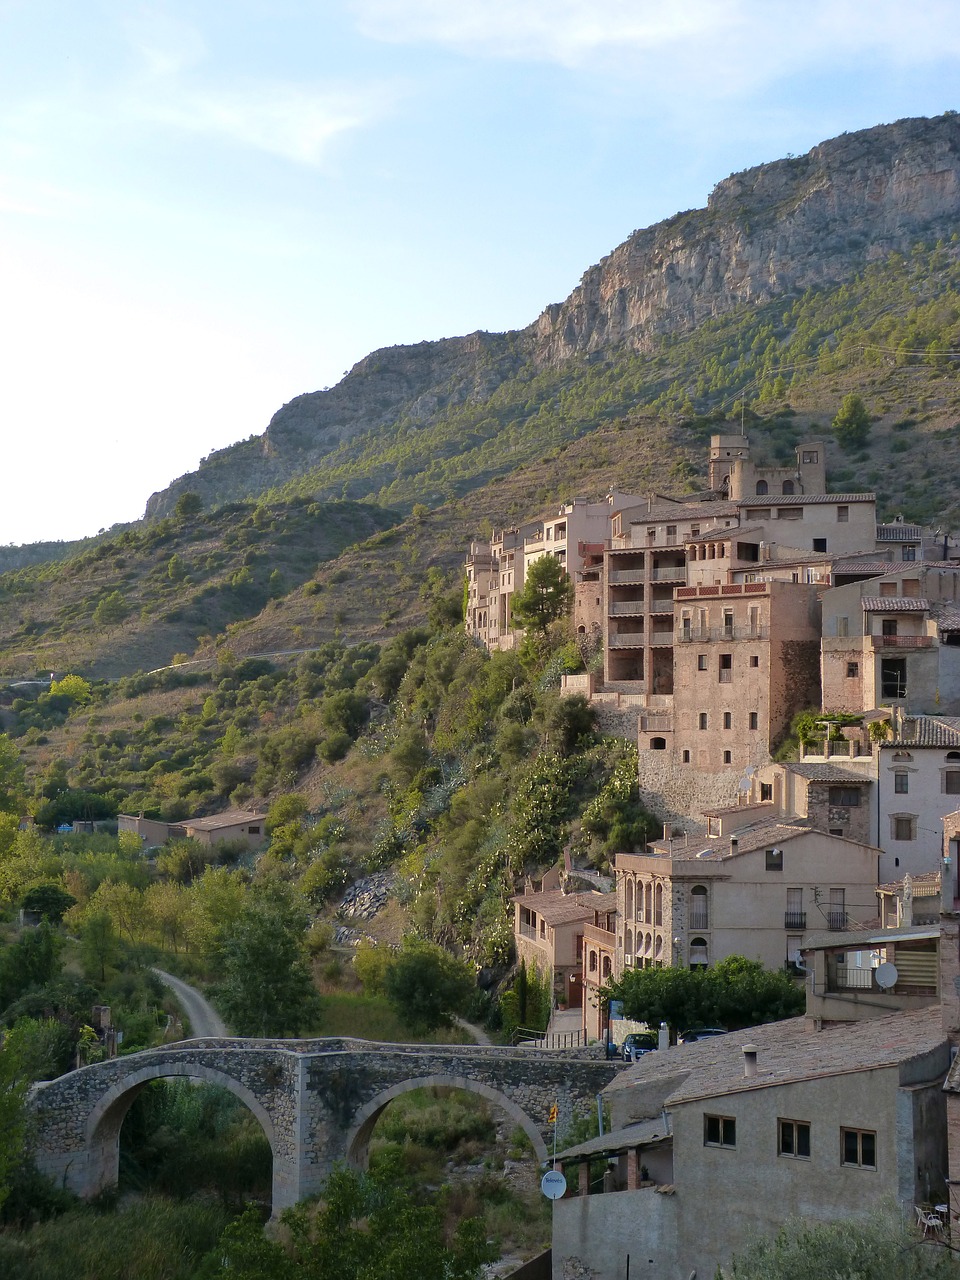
x=658, y=744
x=699, y=957
x=762, y=489
x=607, y=967
x=953, y=755
x=647, y=944
x=592, y=964
x=658, y=948
x=787, y=489
x=581, y=631
x=648, y=903
x=628, y=942
x=658, y=905
x=628, y=899
x=698, y=907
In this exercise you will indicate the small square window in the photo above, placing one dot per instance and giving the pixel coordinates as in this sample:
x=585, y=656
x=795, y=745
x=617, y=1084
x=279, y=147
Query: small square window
x=754, y=660
x=719, y=1131
x=858, y=1147
x=843, y=515
x=754, y=720
x=773, y=859
x=853, y=670
x=819, y=544
x=903, y=828
x=901, y=783
x=701, y=662
x=809, y=456
x=793, y=1139
x=909, y=553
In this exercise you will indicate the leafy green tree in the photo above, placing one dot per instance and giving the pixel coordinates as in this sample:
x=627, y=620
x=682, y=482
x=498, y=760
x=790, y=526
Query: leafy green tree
x=32, y=961
x=12, y=776
x=111, y=610
x=13, y=1089
x=736, y=992
x=852, y=423
x=74, y=806
x=99, y=943
x=881, y=1247
x=189, y=504
x=266, y=988
x=49, y=901
x=546, y=595
x=368, y=1227
x=426, y=984
x=73, y=687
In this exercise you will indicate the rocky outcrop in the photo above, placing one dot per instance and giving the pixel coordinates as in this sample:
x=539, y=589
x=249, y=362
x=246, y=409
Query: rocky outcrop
x=767, y=231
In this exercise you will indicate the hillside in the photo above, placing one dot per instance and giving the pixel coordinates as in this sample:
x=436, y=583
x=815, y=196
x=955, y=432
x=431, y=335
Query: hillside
x=431, y=421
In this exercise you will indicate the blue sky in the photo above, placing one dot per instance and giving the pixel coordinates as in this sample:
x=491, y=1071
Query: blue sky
x=209, y=208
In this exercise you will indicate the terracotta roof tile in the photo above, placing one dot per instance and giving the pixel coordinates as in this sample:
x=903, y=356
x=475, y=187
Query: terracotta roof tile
x=895, y=604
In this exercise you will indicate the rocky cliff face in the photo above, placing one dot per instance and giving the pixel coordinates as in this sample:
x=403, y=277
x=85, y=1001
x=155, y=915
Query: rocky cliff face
x=779, y=227
x=766, y=232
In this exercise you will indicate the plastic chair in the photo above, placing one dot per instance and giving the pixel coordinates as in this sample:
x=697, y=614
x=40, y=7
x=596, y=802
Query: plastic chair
x=928, y=1222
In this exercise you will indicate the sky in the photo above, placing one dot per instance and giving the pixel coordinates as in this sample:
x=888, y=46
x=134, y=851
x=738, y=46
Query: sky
x=208, y=207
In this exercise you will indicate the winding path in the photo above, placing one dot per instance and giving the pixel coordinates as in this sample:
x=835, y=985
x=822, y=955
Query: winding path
x=205, y=1022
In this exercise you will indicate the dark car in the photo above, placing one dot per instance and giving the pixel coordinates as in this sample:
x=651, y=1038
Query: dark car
x=637, y=1043
x=700, y=1033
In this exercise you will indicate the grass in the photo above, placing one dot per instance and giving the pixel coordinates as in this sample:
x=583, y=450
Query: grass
x=372, y=1018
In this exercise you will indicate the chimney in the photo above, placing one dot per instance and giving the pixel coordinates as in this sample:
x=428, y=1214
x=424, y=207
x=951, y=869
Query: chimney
x=749, y=1060
x=734, y=844
x=667, y=832
x=663, y=1037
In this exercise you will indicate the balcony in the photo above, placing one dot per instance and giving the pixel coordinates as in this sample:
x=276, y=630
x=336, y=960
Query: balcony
x=626, y=608
x=662, y=638
x=670, y=573
x=627, y=640
x=795, y=920
x=528, y=931
x=837, y=919
x=901, y=642
x=625, y=576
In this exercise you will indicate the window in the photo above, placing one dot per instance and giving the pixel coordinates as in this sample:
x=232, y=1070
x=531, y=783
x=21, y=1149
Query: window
x=592, y=965
x=951, y=782
x=893, y=677
x=845, y=797
x=719, y=1131
x=253, y=831
x=702, y=720
x=910, y=587
x=754, y=660
x=686, y=757
x=727, y=720
x=853, y=670
x=728, y=757
x=726, y=668
x=901, y=783
x=902, y=826
x=809, y=456
x=793, y=1139
x=766, y=791
x=843, y=626
x=773, y=859
x=543, y=928
x=658, y=744
x=843, y=515
x=787, y=488
x=754, y=720
x=888, y=589
x=858, y=1147
x=888, y=626
x=761, y=513
x=671, y=533
x=819, y=544
x=790, y=513
x=909, y=553
x=762, y=488
x=701, y=662
x=727, y=625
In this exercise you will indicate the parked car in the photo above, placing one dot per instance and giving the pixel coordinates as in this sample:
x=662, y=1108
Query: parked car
x=637, y=1043
x=700, y=1033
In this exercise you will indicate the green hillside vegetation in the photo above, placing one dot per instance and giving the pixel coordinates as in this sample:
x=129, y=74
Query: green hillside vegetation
x=134, y=600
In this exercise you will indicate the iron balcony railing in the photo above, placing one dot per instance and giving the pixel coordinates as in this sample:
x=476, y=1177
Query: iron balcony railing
x=794, y=919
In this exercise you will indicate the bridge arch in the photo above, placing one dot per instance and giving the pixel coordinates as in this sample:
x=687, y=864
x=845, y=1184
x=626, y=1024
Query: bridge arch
x=364, y=1121
x=103, y=1125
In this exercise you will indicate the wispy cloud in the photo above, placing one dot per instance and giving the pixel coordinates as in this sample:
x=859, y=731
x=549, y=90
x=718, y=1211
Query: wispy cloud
x=749, y=40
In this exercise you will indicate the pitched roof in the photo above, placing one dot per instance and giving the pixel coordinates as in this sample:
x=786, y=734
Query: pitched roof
x=927, y=731
x=926, y=878
x=786, y=1053
x=894, y=604
x=748, y=839
x=899, y=533
x=805, y=499
x=828, y=773
x=557, y=907
x=229, y=818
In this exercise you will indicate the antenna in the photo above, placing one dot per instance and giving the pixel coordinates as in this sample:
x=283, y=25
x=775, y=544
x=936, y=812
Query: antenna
x=887, y=975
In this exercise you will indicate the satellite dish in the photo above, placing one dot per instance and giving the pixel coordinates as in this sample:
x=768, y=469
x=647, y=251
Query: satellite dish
x=553, y=1184
x=886, y=975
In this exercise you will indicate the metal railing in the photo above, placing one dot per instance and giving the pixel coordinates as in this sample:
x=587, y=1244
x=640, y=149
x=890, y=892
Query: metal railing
x=669, y=573
x=627, y=640
x=794, y=919
x=548, y=1039
x=619, y=608
x=626, y=576
x=837, y=919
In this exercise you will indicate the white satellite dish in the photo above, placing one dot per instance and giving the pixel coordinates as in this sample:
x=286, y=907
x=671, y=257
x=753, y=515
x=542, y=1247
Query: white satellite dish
x=553, y=1184
x=886, y=975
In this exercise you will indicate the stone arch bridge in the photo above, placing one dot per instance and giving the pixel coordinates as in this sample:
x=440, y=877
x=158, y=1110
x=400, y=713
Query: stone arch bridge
x=316, y=1100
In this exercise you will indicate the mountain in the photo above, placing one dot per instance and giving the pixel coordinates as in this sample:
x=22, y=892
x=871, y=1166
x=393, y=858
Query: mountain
x=776, y=230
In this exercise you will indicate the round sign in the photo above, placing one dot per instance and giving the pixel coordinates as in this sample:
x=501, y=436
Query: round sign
x=553, y=1184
